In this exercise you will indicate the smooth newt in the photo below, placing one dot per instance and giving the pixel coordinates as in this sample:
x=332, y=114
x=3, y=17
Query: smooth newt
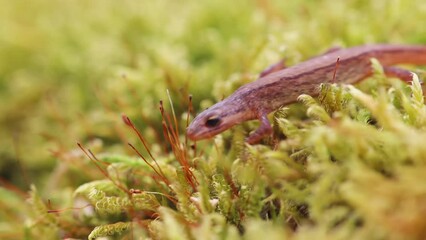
x=256, y=99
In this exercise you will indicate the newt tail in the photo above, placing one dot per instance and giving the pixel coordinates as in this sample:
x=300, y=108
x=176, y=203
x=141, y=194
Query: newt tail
x=282, y=86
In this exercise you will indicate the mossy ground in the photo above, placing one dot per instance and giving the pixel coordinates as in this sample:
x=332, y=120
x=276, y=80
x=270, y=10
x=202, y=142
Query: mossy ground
x=347, y=165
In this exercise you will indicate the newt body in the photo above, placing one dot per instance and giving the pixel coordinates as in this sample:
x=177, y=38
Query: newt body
x=256, y=99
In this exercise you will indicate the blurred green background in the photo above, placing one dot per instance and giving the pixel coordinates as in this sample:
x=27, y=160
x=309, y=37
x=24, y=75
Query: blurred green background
x=69, y=69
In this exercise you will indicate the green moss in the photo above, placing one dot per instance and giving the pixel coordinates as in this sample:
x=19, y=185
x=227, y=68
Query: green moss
x=348, y=164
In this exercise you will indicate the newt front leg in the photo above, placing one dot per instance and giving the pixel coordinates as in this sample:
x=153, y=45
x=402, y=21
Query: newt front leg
x=264, y=129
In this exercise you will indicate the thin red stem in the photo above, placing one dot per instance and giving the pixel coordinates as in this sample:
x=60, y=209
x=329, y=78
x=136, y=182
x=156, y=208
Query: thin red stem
x=93, y=158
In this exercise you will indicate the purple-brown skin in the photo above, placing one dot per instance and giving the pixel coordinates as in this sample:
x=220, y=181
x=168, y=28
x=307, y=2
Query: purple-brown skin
x=281, y=87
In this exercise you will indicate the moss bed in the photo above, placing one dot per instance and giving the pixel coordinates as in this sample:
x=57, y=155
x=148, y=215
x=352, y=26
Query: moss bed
x=96, y=96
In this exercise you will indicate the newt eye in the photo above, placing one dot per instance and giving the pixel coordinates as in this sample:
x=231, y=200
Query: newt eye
x=212, y=121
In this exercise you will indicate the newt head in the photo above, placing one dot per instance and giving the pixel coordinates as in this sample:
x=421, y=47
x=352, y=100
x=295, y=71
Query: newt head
x=216, y=119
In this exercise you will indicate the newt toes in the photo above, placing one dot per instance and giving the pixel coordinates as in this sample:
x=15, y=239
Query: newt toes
x=280, y=86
